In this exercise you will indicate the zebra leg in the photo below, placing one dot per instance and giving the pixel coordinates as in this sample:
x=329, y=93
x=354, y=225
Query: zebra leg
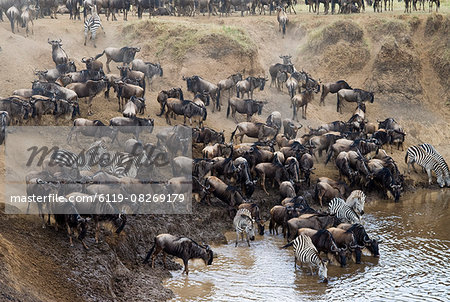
x=248, y=240
x=93, y=35
x=237, y=238
x=85, y=35
x=430, y=181
x=295, y=262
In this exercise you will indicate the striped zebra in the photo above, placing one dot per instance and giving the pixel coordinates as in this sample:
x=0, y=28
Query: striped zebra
x=343, y=211
x=83, y=161
x=356, y=201
x=417, y=154
x=440, y=159
x=91, y=24
x=125, y=164
x=306, y=252
x=243, y=223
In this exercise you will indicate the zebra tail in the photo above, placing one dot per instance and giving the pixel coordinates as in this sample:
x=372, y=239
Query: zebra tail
x=150, y=252
x=287, y=245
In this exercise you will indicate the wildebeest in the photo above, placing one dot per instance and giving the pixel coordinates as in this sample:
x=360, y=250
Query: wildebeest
x=290, y=129
x=125, y=91
x=282, y=19
x=42, y=105
x=88, y=90
x=291, y=85
x=4, y=122
x=186, y=108
x=312, y=221
x=230, y=195
x=353, y=95
x=282, y=77
x=127, y=73
x=133, y=106
x=248, y=85
x=196, y=84
x=228, y=84
x=278, y=172
x=216, y=150
x=275, y=68
x=53, y=90
x=279, y=216
x=149, y=69
x=301, y=100
x=247, y=106
x=114, y=5
x=51, y=75
x=274, y=120
x=125, y=54
x=346, y=240
x=128, y=125
x=59, y=56
x=256, y=130
x=362, y=238
x=87, y=127
x=163, y=95
x=324, y=242
x=17, y=109
x=332, y=88
x=207, y=136
x=182, y=247
x=13, y=15
x=92, y=63
x=27, y=16
x=326, y=192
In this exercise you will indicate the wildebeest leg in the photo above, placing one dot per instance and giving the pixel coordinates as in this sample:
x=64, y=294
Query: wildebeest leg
x=164, y=259
x=248, y=240
x=97, y=228
x=263, y=183
x=295, y=262
x=69, y=231
x=237, y=238
x=186, y=269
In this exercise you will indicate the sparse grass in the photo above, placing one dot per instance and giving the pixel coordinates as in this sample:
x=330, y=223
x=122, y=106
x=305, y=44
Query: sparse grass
x=176, y=38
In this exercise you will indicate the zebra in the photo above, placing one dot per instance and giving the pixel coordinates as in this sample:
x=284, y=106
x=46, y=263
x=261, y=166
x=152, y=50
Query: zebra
x=243, y=223
x=86, y=160
x=440, y=159
x=343, y=211
x=91, y=24
x=416, y=154
x=125, y=164
x=356, y=201
x=306, y=252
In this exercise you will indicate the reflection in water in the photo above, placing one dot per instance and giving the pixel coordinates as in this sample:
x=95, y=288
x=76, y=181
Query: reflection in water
x=414, y=262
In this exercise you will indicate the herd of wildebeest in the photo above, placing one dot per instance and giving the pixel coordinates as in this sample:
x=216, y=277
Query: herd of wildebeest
x=21, y=13
x=229, y=171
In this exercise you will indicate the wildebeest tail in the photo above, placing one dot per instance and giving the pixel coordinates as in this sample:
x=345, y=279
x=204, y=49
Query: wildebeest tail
x=228, y=108
x=205, y=114
x=284, y=28
x=162, y=109
x=232, y=134
x=99, y=55
x=406, y=158
x=338, y=102
x=329, y=154
x=150, y=252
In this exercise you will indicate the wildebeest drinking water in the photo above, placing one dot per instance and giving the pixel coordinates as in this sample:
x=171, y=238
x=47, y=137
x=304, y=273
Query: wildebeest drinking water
x=182, y=247
x=353, y=95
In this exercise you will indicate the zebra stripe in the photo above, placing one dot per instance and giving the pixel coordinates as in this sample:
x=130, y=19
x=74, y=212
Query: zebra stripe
x=91, y=24
x=343, y=211
x=439, y=158
x=306, y=252
x=417, y=154
x=84, y=161
x=356, y=201
x=243, y=223
x=125, y=164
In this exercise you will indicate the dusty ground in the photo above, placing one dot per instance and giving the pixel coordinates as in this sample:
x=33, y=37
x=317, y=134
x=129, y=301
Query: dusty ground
x=402, y=58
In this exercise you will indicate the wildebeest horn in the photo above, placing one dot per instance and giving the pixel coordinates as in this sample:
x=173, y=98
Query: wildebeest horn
x=48, y=41
x=60, y=40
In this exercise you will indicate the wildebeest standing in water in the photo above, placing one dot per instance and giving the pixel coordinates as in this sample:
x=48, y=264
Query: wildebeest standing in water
x=182, y=247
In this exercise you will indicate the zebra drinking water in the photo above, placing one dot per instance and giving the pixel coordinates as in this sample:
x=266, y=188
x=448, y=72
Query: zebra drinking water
x=91, y=24
x=419, y=155
x=356, y=201
x=343, y=211
x=306, y=252
x=243, y=223
x=440, y=159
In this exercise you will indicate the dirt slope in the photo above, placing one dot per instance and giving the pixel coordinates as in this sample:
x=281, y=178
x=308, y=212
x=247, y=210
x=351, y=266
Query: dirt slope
x=403, y=59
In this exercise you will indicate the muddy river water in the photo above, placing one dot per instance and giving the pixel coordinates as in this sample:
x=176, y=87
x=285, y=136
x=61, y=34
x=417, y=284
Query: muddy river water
x=414, y=263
